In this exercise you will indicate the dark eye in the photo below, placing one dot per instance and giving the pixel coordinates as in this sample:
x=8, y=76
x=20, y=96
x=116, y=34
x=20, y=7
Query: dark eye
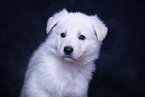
x=63, y=35
x=82, y=37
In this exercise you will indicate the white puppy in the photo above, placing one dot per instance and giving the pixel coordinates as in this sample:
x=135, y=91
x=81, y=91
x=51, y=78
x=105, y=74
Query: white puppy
x=62, y=66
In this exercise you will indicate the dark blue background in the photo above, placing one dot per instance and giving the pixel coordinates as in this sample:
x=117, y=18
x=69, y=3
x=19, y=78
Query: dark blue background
x=121, y=67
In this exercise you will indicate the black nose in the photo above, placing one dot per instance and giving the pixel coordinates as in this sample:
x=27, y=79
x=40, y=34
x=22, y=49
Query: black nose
x=68, y=50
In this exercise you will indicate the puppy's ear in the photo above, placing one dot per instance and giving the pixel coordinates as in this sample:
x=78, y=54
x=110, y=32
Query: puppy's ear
x=99, y=27
x=52, y=21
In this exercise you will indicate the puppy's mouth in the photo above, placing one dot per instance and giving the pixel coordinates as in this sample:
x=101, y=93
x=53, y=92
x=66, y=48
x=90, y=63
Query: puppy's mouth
x=68, y=57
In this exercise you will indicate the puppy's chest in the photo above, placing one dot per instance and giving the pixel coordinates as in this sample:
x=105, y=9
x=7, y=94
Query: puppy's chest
x=70, y=83
x=71, y=80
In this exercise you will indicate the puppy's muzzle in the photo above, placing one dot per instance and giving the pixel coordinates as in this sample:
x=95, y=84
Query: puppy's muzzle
x=68, y=50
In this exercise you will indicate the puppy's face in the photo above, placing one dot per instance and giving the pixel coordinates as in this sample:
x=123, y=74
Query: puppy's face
x=75, y=39
x=76, y=36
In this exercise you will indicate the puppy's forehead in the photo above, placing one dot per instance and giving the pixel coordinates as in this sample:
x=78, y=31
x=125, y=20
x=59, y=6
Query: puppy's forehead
x=77, y=18
x=76, y=21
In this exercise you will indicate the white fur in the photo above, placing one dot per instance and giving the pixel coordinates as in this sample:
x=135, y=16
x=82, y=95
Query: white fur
x=50, y=73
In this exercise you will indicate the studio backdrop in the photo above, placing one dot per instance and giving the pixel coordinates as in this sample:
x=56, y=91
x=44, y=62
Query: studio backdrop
x=120, y=69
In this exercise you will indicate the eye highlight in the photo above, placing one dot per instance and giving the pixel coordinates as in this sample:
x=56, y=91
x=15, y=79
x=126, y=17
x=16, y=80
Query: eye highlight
x=63, y=35
x=82, y=37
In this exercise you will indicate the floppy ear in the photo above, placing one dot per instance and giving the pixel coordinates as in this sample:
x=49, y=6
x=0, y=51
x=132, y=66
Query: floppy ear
x=99, y=27
x=52, y=21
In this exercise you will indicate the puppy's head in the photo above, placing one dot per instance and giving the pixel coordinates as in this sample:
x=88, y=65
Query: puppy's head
x=76, y=36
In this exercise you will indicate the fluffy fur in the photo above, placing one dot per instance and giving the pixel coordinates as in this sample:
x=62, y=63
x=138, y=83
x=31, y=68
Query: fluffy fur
x=54, y=72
